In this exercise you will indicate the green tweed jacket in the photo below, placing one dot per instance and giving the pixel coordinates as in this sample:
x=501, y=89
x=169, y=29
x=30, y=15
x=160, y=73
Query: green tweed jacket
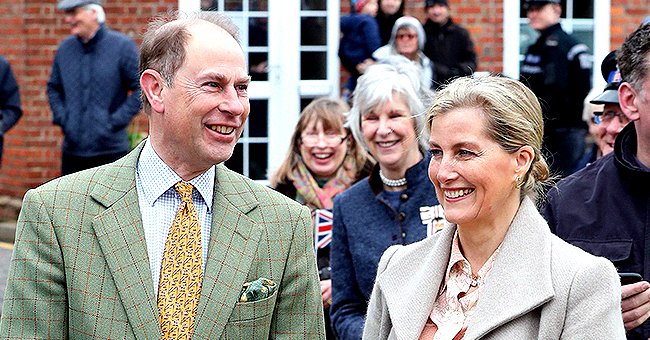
x=80, y=267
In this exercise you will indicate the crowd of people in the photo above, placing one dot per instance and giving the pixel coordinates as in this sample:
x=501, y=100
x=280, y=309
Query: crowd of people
x=422, y=205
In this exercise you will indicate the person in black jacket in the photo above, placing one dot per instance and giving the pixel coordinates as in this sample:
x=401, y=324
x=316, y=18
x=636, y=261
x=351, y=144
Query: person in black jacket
x=557, y=68
x=389, y=11
x=605, y=207
x=10, y=110
x=448, y=45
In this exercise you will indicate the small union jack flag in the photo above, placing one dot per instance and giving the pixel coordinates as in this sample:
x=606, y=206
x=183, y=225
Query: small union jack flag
x=323, y=224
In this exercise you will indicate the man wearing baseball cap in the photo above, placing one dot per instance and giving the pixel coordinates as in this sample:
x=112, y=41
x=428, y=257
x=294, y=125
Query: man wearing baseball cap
x=612, y=119
x=557, y=68
x=94, y=88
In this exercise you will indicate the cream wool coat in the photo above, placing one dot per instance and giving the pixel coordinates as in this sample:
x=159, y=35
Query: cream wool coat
x=539, y=288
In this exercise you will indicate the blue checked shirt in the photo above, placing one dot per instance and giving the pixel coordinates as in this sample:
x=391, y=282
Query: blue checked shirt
x=159, y=203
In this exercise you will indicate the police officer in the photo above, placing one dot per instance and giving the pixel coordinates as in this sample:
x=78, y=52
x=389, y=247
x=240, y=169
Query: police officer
x=557, y=69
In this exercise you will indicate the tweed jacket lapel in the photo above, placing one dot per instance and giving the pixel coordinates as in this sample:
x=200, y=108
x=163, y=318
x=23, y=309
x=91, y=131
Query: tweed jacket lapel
x=233, y=242
x=411, y=289
x=121, y=236
x=520, y=280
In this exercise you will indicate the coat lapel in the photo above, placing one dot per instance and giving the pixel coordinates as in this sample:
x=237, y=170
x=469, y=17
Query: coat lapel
x=520, y=280
x=233, y=243
x=411, y=289
x=120, y=235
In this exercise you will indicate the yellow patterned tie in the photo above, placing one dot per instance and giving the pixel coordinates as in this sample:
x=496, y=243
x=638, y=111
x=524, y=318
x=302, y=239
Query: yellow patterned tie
x=179, y=289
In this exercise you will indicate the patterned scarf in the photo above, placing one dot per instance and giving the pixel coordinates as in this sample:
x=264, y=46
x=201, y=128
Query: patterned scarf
x=315, y=197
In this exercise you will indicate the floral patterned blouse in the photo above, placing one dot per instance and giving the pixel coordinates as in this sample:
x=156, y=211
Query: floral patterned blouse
x=457, y=298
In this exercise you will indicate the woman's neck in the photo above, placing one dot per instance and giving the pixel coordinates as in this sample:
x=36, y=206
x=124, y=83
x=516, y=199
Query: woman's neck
x=480, y=239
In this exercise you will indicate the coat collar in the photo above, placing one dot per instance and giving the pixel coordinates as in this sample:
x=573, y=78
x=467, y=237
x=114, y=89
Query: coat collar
x=519, y=282
x=233, y=241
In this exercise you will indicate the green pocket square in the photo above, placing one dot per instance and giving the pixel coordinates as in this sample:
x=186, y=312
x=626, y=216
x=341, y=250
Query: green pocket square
x=257, y=290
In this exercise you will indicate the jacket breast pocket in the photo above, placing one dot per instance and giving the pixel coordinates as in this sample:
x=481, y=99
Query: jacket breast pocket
x=251, y=320
x=617, y=251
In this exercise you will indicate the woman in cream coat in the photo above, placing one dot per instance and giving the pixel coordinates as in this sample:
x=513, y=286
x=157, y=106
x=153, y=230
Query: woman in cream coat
x=496, y=271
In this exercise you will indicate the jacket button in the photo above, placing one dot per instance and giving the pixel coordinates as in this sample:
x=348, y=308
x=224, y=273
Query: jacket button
x=402, y=216
x=403, y=197
x=403, y=235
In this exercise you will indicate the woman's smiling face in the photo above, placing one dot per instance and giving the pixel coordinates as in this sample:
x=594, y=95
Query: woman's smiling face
x=473, y=175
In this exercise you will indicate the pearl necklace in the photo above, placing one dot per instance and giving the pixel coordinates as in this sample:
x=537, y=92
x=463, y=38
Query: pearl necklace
x=392, y=182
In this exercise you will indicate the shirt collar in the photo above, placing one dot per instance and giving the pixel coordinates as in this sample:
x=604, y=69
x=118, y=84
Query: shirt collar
x=157, y=177
x=455, y=257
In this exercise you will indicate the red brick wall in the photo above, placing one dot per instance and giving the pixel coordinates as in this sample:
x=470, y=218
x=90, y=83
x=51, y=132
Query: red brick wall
x=30, y=31
x=627, y=15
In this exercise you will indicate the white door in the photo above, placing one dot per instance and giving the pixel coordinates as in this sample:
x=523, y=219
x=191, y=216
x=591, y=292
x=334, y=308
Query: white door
x=291, y=48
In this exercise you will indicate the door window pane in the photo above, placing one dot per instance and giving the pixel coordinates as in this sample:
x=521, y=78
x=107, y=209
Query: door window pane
x=258, y=161
x=313, y=31
x=258, y=32
x=313, y=65
x=313, y=5
x=233, y=5
x=258, y=66
x=258, y=5
x=258, y=123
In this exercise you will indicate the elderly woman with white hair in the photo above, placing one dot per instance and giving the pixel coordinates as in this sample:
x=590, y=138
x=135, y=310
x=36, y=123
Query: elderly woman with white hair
x=407, y=40
x=396, y=204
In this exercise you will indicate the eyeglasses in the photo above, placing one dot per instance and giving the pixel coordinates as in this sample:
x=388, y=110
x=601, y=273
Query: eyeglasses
x=408, y=36
x=331, y=139
x=607, y=117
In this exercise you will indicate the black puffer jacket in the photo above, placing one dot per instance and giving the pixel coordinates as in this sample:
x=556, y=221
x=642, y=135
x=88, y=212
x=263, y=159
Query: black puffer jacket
x=451, y=50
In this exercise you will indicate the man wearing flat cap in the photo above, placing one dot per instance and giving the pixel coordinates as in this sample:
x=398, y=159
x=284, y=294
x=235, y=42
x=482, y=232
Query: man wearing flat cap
x=448, y=44
x=93, y=89
x=557, y=68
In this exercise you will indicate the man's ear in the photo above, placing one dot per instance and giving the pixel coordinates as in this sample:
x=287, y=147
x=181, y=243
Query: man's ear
x=524, y=158
x=152, y=85
x=627, y=99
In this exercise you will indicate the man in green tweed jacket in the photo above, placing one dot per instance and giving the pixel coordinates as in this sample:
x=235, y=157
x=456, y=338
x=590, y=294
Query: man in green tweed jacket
x=88, y=246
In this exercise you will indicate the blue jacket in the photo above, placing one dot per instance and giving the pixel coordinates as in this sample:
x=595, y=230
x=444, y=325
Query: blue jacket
x=360, y=37
x=605, y=210
x=365, y=225
x=94, y=92
x=10, y=110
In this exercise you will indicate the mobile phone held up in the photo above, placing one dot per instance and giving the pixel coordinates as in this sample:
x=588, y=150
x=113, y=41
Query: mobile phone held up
x=629, y=278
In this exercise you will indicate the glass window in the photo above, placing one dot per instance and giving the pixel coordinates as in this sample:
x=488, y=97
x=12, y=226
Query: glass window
x=313, y=5
x=313, y=65
x=313, y=31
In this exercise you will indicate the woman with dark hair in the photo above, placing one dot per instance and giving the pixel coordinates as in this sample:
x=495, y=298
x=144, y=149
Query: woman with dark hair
x=389, y=11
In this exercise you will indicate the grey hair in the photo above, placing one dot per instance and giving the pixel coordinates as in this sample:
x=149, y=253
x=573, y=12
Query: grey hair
x=410, y=22
x=377, y=86
x=99, y=10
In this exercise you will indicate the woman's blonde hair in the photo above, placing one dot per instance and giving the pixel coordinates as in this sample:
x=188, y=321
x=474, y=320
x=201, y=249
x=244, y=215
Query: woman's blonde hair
x=332, y=113
x=512, y=114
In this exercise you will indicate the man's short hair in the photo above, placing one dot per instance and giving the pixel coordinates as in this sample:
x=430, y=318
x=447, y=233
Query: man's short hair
x=164, y=42
x=632, y=57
